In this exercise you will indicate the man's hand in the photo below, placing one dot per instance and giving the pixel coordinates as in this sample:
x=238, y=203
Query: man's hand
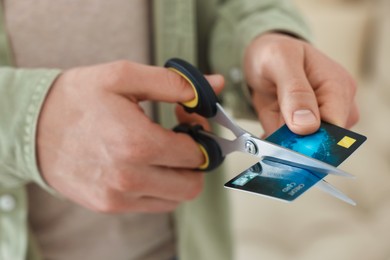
x=294, y=83
x=98, y=148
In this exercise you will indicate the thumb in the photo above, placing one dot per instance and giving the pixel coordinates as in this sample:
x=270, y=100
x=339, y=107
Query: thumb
x=298, y=103
x=144, y=82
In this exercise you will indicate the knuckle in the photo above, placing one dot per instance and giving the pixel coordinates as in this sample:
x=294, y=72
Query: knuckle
x=343, y=78
x=113, y=75
x=344, y=87
x=136, y=150
x=121, y=66
x=277, y=48
x=139, y=154
x=128, y=181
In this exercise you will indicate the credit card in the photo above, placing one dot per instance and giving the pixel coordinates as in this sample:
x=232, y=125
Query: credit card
x=274, y=180
x=330, y=144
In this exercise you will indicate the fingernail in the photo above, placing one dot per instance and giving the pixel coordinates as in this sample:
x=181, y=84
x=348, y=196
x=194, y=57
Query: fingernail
x=303, y=117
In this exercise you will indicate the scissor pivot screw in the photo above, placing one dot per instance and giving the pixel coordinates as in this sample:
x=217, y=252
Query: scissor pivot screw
x=250, y=147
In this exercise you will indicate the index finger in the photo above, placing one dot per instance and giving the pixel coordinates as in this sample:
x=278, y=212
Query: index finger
x=335, y=89
x=145, y=82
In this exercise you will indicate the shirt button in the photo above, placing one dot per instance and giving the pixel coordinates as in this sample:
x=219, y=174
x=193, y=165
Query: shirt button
x=235, y=75
x=7, y=203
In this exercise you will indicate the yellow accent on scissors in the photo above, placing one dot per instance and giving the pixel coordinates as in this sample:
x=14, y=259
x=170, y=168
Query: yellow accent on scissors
x=194, y=102
x=206, y=157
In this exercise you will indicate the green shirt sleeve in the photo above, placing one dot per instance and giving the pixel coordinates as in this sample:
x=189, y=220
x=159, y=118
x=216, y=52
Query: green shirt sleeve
x=22, y=92
x=238, y=23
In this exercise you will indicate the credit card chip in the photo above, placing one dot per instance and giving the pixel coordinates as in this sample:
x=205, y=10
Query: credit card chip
x=346, y=142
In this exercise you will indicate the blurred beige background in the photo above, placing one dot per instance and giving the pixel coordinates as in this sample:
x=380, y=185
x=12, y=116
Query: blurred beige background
x=317, y=226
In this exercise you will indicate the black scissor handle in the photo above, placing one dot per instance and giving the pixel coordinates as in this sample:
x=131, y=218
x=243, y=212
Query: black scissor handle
x=208, y=146
x=205, y=101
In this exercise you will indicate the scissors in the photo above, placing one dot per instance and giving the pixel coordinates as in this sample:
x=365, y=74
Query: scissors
x=215, y=148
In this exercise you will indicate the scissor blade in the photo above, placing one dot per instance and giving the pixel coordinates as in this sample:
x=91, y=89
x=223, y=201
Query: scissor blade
x=326, y=187
x=275, y=153
x=222, y=118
